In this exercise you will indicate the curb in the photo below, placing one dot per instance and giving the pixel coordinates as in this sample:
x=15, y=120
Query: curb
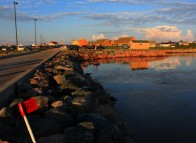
x=16, y=55
x=10, y=87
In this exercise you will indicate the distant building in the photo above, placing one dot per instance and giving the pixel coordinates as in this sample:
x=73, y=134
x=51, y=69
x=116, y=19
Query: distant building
x=168, y=44
x=91, y=43
x=83, y=42
x=123, y=41
x=75, y=42
x=53, y=43
x=152, y=44
x=103, y=42
x=139, y=44
x=183, y=43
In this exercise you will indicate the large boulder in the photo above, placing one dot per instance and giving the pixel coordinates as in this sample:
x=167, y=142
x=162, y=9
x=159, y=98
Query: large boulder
x=8, y=133
x=42, y=102
x=7, y=117
x=103, y=128
x=64, y=118
x=82, y=133
x=80, y=105
x=57, y=138
x=41, y=127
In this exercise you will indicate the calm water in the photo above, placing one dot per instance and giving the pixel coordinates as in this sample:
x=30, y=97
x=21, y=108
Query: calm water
x=156, y=97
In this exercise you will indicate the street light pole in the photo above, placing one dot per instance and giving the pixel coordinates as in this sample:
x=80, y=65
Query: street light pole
x=35, y=33
x=15, y=3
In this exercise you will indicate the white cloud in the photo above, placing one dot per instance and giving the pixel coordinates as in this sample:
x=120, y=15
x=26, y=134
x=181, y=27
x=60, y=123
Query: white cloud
x=124, y=35
x=189, y=36
x=169, y=63
x=101, y=36
x=165, y=33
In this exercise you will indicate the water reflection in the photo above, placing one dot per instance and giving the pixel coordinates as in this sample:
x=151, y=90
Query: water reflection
x=135, y=63
x=158, y=102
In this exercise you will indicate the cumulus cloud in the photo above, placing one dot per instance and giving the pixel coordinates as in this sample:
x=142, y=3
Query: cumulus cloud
x=169, y=63
x=165, y=33
x=124, y=35
x=101, y=36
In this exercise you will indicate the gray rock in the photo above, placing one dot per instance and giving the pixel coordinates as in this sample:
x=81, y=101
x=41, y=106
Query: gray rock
x=58, y=138
x=41, y=127
x=64, y=118
x=83, y=133
x=8, y=133
x=101, y=97
x=80, y=105
x=57, y=104
x=104, y=110
x=103, y=128
x=81, y=92
x=60, y=79
x=42, y=102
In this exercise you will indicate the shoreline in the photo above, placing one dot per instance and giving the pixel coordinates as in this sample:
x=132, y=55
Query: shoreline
x=71, y=107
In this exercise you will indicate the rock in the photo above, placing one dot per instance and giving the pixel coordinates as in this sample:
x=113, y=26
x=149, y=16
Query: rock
x=60, y=79
x=104, y=110
x=4, y=112
x=57, y=138
x=57, y=104
x=8, y=133
x=82, y=133
x=64, y=68
x=64, y=118
x=80, y=105
x=81, y=92
x=101, y=97
x=23, y=86
x=33, y=81
x=68, y=85
x=8, y=116
x=41, y=127
x=42, y=102
x=103, y=128
x=13, y=107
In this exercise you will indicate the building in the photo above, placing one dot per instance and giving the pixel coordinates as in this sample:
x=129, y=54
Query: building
x=123, y=41
x=53, y=43
x=183, y=43
x=103, y=42
x=75, y=42
x=139, y=44
x=152, y=44
x=168, y=44
x=83, y=42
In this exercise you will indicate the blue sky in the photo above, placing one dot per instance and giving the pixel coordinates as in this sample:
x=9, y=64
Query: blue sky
x=67, y=20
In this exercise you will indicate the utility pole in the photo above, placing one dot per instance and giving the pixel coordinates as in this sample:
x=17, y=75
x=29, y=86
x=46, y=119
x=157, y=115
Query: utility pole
x=35, y=33
x=15, y=3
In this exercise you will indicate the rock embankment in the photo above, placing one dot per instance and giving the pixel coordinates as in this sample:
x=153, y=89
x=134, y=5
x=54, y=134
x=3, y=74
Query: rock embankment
x=111, y=54
x=72, y=108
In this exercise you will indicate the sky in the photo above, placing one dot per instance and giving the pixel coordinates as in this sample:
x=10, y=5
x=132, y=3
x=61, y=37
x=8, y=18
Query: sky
x=67, y=20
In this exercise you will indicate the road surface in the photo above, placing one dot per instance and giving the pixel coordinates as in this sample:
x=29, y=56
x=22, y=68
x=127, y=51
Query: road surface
x=12, y=67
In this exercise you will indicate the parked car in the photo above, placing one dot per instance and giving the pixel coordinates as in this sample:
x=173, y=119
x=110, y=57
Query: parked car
x=100, y=47
x=73, y=47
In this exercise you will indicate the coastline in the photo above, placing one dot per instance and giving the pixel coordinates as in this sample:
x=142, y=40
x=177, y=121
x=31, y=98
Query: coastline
x=71, y=107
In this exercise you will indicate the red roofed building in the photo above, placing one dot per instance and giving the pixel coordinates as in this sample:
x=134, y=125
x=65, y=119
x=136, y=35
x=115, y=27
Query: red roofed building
x=83, y=42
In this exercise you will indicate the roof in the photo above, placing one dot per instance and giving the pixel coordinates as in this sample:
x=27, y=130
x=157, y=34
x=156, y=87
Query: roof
x=101, y=41
x=140, y=41
x=124, y=40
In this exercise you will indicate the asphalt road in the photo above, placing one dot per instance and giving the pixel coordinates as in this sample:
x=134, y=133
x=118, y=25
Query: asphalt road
x=12, y=67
